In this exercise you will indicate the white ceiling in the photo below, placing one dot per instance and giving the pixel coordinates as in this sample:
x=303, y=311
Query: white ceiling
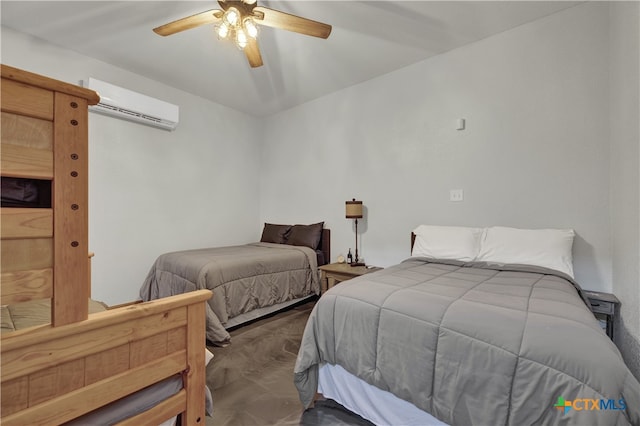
x=369, y=38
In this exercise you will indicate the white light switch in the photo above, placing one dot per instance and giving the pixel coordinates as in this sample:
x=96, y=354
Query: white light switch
x=456, y=195
x=460, y=124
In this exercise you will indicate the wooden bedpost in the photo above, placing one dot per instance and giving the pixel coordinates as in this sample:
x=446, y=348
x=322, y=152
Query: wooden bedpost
x=195, y=378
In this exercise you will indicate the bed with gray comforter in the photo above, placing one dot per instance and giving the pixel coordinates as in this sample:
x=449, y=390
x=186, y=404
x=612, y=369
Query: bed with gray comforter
x=243, y=279
x=472, y=345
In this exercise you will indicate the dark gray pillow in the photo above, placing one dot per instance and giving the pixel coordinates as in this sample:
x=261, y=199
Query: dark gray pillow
x=305, y=235
x=272, y=233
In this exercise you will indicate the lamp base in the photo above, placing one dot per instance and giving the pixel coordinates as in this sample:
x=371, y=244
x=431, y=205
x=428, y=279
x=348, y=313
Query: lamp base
x=357, y=264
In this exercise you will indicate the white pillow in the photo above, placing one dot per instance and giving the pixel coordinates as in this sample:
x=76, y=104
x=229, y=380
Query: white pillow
x=549, y=248
x=447, y=242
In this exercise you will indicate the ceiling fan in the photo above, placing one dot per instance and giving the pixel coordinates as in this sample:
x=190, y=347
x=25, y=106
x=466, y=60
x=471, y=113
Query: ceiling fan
x=239, y=20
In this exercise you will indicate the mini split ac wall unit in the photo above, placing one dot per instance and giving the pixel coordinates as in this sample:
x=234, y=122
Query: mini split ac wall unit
x=129, y=105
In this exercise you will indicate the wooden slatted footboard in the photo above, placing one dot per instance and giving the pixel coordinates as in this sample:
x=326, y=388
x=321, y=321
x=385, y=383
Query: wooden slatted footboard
x=51, y=375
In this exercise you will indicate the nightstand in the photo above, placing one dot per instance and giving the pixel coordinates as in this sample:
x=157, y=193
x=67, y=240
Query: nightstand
x=604, y=306
x=335, y=273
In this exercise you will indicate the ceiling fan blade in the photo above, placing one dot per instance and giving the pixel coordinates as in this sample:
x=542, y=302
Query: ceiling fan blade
x=253, y=53
x=276, y=19
x=193, y=21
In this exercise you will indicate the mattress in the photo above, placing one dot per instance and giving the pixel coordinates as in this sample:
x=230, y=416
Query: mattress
x=20, y=192
x=471, y=343
x=35, y=312
x=140, y=402
x=131, y=405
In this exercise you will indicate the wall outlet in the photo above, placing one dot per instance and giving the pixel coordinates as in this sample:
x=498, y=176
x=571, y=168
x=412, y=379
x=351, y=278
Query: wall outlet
x=456, y=195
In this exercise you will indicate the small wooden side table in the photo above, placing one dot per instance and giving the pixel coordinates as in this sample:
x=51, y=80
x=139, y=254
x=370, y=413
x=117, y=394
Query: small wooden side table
x=335, y=273
x=604, y=305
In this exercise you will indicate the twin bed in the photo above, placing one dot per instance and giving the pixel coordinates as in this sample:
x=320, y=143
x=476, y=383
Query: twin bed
x=248, y=281
x=77, y=363
x=479, y=326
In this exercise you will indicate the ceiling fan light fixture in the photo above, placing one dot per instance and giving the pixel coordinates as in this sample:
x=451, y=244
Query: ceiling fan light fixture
x=240, y=24
x=222, y=30
x=241, y=38
x=250, y=27
x=231, y=16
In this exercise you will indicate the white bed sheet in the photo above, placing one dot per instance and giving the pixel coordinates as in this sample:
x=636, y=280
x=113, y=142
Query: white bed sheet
x=378, y=406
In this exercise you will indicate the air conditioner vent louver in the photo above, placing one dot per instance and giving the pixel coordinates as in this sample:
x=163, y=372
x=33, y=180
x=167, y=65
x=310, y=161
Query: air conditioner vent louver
x=157, y=120
x=129, y=105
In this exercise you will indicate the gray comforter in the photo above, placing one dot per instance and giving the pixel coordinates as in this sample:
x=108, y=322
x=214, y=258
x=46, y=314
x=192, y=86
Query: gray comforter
x=472, y=345
x=243, y=279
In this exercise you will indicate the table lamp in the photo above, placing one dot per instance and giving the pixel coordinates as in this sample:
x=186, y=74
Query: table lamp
x=354, y=211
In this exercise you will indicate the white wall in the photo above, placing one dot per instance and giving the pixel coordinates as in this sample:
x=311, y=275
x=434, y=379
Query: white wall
x=625, y=175
x=534, y=154
x=153, y=191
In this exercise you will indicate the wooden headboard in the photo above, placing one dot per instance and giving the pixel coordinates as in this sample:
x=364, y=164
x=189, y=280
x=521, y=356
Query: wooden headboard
x=413, y=240
x=325, y=244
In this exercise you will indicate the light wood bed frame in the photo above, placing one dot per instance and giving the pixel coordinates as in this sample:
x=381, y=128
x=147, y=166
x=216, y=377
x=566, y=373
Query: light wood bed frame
x=79, y=362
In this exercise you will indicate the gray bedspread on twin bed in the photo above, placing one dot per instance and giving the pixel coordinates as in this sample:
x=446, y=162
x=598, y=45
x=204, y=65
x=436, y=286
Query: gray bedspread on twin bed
x=471, y=345
x=243, y=278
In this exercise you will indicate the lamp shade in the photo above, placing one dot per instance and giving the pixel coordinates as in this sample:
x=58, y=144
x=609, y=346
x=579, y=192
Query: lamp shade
x=353, y=209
